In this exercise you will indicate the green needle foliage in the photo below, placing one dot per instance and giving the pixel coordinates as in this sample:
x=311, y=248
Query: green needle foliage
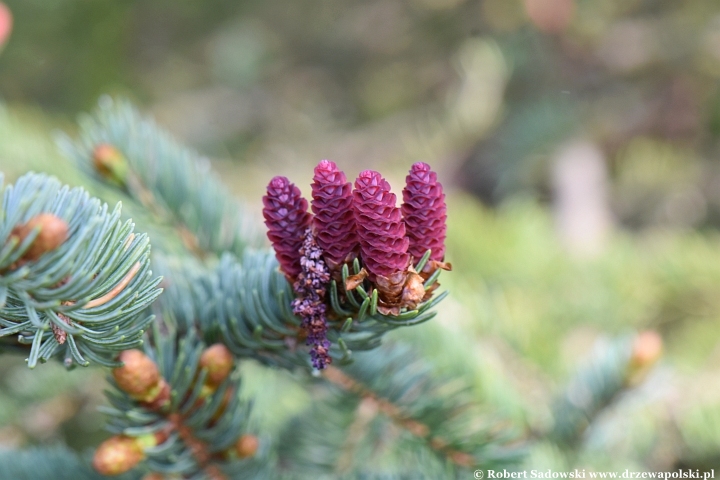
x=217, y=418
x=56, y=462
x=605, y=376
x=246, y=305
x=65, y=302
x=392, y=393
x=377, y=412
x=167, y=178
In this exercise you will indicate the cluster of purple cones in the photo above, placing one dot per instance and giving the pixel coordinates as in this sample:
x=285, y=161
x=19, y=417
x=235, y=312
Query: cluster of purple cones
x=364, y=223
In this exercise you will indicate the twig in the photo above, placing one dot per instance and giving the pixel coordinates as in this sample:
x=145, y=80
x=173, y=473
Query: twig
x=419, y=429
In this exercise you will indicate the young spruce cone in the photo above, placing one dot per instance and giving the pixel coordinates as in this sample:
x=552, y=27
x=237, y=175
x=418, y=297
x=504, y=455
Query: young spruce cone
x=380, y=226
x=334, y=222
x=287, y=218
x=424, y=212
x=384, y=246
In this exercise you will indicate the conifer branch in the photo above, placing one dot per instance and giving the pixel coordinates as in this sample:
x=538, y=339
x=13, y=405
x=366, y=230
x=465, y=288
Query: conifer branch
x=611, y=370
x=120, y=147
x=246, y=305
x=84, y=296
x=437, y=416
x=395, y=413
x=185, y=419
x=56, y=462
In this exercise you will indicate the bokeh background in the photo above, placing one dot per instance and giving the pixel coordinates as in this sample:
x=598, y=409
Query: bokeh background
x=578, y=142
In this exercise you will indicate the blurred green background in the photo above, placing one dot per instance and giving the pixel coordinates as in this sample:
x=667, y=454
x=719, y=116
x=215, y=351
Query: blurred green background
x=578, y=142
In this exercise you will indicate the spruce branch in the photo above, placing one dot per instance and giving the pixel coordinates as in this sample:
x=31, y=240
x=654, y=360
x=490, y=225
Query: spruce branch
x=392, y=390
x=247, y=306
x=611, y=370
x=170, y=404
x=83, y=297
x=120, y=147
x=57, y=463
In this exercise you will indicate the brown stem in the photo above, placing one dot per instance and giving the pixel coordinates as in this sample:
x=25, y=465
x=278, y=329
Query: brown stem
x=395, y=413
x=366, y=411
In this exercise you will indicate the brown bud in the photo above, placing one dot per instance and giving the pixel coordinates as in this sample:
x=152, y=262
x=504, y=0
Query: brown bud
x=219, y=361
x=413, y=291
x=646, y=350
x=463, y=459
x=153, y=476
x=53, y=233
x=139, y=377
x=110, y=163
x=117, y=455
x=550, y=16
x=390, y=290
x=247, y=446
x=213, y=472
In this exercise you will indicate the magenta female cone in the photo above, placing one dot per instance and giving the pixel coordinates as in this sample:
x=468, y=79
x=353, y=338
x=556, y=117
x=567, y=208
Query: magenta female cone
x=287, y=218
x=334, y=222
x=424, y=212
x=380, y=226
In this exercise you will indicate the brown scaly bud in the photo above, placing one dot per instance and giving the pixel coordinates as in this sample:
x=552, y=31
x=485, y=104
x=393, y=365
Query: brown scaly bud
x=139, y=377
x=219, y=362
x=117, y=455
x=110, y=163
x=390, y=292
x=646, y=351
x=53, y=233
x=413, y=292
x=153, y=476
x=247, y=446
x=213, y=472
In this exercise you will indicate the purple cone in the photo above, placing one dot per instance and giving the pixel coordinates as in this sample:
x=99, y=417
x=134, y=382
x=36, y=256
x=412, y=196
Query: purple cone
x=424, y=212
x=334, y=222
x=287, y=218
x=380, y=226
